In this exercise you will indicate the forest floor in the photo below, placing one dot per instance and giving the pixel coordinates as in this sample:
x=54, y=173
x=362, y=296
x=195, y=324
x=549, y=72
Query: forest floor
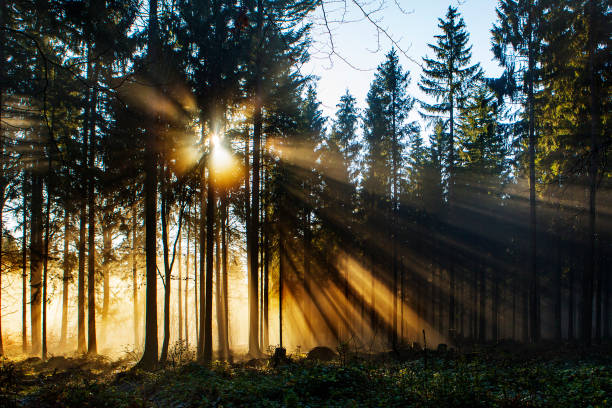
x=493, y=376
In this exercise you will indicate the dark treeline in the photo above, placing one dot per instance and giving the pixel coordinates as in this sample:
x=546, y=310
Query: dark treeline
x=181, y=140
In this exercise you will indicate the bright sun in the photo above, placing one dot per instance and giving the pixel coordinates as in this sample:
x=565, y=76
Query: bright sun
x=223, y=164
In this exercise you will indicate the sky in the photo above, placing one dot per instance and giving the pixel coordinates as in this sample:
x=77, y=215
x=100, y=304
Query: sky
x=360, y=49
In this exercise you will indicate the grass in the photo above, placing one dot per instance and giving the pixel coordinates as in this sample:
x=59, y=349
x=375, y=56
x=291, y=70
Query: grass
x=486, y=377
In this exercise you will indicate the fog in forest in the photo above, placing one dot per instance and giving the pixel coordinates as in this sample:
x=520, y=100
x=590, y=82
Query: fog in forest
x=171, y=188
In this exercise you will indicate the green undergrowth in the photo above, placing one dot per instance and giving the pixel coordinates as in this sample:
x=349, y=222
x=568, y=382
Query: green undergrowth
x=489, y=378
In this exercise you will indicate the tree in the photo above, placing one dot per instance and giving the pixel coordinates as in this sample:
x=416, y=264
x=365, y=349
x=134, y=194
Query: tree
x=149, y=357
x=448, y=78
x=387, y=133
x=516, y=45
x=482, y=173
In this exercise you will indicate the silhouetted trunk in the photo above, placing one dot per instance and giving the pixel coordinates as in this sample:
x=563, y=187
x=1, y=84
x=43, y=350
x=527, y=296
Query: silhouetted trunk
x=525, y=312
x=482, y=330
x=24, y=274
x=247, y=212
x=253, y=283
x=92, y=347
x=374, y=269
x=514, y=295
x=261, y=255
x=607, y=318
x=210, y=230
x=196, y=309
x=533, y=315
x=281, y=271
x=135, y=281
x=254, y=239
x=2, y=200
x=218, y=288
x=81, y=341
x=394, y=238
x=187, y=255
x=180, y=288
x=203, y=246
x=570, y=300
x=403, y=298
x=149, y=357
x=266, y=276
x=65, y=280
x=598, y=301
x=165, y=215
x=3, y=10
x=168, y=261
x=462, y=300
x=106, y=260
x=557, y=287
x=224, y=260
x=451, y=203
x=475, y=303
x=45, y=272
x=589, y=271
x=495, y=308
x=36, y=260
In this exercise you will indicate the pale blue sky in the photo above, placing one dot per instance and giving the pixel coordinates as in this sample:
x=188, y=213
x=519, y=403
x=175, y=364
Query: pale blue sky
x=357, y=42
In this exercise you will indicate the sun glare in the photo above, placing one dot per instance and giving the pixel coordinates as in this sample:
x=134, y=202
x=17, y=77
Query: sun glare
x=226, y=168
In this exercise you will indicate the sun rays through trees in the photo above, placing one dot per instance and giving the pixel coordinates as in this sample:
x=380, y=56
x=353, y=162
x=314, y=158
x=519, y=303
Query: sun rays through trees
x=171, y=188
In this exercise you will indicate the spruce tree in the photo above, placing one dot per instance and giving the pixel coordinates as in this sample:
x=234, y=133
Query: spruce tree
x=516, y=45
x=448, y=77
x=386, y=133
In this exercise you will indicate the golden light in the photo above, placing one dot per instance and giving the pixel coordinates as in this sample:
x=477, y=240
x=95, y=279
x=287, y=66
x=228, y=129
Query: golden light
x=224, y=166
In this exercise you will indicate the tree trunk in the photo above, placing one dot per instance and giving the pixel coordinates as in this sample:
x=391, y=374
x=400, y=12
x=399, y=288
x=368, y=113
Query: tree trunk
x=589, y=271
x=165, y=215
x=534, y=326
x=180, y=288
x=394, y=238
x=136, y=311
x=254, y=239
x=149, y=357
x=451, y=202
x=65, y=280
x=106, y=259
x=266, y=276
x=281, y=271
x=514, y=294
x=247, y=209
x=253, y=283
x=218, y=289
x=36, y=261
x=607, y=319
x=482, y=330
x=24, y=274
x=224, y=255
x=570, y=300
x=92, y=347
x=3, y=11
x=196, y=309
x=2, y=200
x=81, y=344
x=495, y=308
x=203, y=246
x=557, y=288
x=45, y=271
x=210, y=230
x=187, y=255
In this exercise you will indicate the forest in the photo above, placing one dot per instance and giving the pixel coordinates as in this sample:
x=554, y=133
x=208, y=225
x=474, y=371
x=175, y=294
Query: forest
x=181, y=224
